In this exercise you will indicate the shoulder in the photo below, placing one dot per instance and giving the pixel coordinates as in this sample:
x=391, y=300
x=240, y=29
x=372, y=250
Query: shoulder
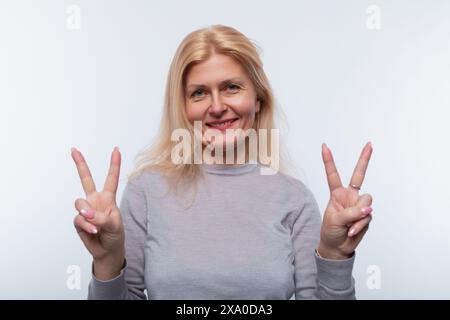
x=144, y=179
x=284, y=188
x=295, y=195
x=287, y=183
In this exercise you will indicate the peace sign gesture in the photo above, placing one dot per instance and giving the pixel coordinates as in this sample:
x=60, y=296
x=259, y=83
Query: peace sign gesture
x=348, y=214
x=98, y=223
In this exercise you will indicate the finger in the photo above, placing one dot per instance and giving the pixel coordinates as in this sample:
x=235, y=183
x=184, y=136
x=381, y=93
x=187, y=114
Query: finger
x=83, y=171
x=362, y=201
x=365, y=200
x=112, y=180
x=334, y=181
x=85, y=231
x=97, y=218
x=361, y=166
x=81, y=225
x=351, y=215
x=359, y=226
x=356, y=239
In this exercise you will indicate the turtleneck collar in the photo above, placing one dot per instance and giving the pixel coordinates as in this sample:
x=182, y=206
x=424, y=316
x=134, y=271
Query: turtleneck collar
x=229, y=170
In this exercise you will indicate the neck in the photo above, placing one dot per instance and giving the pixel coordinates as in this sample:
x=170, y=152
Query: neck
x=210, y=157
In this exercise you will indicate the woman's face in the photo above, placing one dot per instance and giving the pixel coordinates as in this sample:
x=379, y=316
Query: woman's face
x=217, y=91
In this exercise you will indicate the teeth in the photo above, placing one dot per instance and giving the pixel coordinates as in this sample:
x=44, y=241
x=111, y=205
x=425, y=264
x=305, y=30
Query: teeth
x=221, y=124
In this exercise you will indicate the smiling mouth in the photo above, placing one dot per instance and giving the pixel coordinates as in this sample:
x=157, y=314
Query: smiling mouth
x=222, y=125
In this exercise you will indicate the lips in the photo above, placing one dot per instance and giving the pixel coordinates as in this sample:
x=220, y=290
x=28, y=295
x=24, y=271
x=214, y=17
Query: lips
x=221, y=125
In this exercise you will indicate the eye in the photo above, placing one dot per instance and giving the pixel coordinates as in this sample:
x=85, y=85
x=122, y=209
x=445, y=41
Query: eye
x=194, y=94
x=233, y=87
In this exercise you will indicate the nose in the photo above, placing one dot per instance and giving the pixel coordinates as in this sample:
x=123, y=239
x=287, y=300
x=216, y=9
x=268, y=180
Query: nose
x=217, y=107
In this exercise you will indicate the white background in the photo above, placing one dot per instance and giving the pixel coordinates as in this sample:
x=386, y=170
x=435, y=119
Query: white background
x=337, y=81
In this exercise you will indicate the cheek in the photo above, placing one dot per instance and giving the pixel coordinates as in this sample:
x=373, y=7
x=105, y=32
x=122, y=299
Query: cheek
x=245, y=107
x=195, y=111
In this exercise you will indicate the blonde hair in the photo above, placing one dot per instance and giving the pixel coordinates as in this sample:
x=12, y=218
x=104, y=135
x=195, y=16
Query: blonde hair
x=196, y=47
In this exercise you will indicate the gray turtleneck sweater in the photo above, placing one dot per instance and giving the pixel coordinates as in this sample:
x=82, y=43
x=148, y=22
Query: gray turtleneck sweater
x=245, y=236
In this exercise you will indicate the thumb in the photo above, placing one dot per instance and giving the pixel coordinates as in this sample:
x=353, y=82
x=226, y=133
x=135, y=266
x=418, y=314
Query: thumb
x=102, y=220
x=364, y=200
x=364, y=204
x=352, y=214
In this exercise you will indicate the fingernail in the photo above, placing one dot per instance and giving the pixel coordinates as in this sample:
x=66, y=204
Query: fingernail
x=94, y=230
x=366, y=210
x=73, y=149
x=352, y=232
x=87, y=213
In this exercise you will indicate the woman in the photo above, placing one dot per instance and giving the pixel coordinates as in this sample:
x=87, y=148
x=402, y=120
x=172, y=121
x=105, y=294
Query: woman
x=245, y=235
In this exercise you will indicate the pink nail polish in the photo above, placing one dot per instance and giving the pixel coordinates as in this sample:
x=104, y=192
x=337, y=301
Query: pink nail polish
x=87, y=213
x=352, y=232
x=366, y=210
x=94, y=230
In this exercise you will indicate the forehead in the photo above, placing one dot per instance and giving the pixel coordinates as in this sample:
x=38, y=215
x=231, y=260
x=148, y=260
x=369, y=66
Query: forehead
x=216, y=69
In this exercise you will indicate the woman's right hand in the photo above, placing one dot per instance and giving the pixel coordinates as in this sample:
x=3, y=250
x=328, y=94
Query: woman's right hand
x=98, y=223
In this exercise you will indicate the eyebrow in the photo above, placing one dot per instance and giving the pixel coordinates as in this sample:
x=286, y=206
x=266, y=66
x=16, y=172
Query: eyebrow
x=235, y=79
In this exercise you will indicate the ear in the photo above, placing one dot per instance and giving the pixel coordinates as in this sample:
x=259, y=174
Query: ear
x=258, y=105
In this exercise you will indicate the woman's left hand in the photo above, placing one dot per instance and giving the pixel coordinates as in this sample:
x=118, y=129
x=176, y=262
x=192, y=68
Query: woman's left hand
x=348, y=214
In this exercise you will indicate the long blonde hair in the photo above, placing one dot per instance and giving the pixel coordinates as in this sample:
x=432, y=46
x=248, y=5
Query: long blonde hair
x=196, y=47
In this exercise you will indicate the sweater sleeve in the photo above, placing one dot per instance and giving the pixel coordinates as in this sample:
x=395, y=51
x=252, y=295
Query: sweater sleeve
x=316, y=277
x=130, y=283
